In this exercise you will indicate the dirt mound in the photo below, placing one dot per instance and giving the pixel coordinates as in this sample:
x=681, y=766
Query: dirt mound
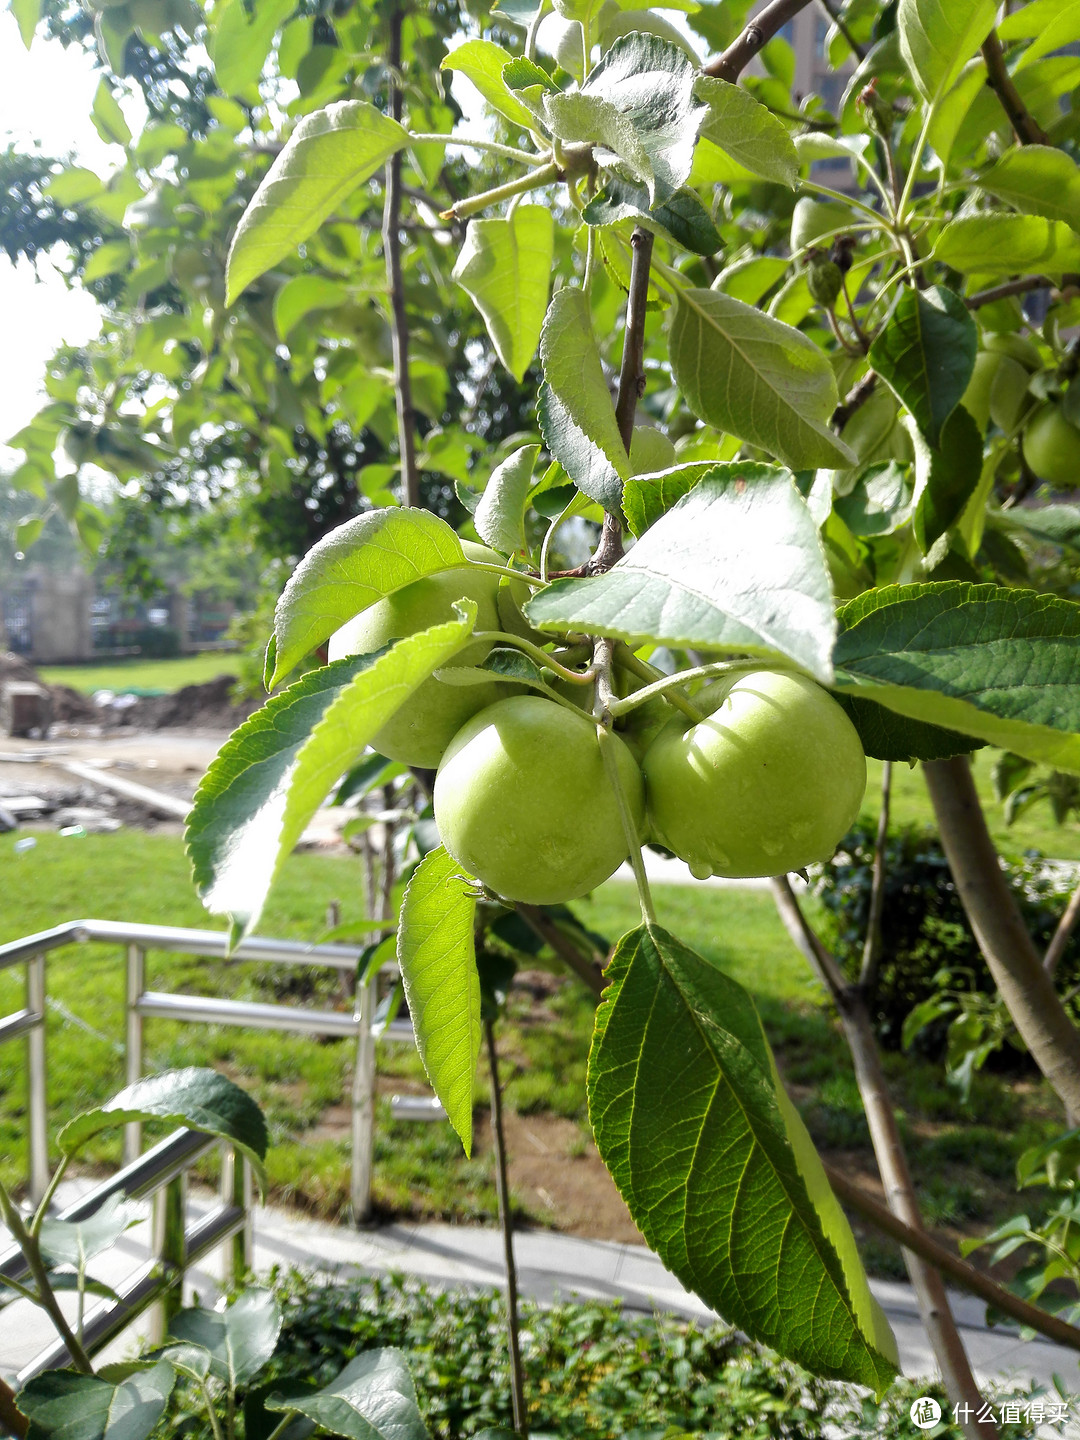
x=209, y=707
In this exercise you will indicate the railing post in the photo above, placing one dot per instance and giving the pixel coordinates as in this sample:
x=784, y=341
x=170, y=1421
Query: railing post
x=169, y=1246
x=363, y=1099
x=133, y=1040
x=237, y=1189
x=37, y=1094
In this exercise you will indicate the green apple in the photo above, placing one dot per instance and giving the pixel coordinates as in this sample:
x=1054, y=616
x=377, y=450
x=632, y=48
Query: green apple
x=976, y=398
x=768, y=782
x=1015, y=346
x=424, y=726
x=524, y=803
x=1008, y=393
x=1052, y=448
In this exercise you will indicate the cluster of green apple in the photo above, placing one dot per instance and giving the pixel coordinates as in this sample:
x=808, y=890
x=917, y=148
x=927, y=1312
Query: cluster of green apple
x=1000, y=390
x=767, y=780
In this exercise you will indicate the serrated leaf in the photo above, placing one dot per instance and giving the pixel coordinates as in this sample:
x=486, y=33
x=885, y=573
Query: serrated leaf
x=647, y=497
x=1038, y=179
x=716, y=1166
x=328, y=155
x=748, y=132
x=240, y=39
x=505, y=266
x=1008, y=245
x=682, y=216
x=76, y=1242
x=945, y=477
x=270, y=777
x=1000, y=665
x=500, y=515
x=926, y=354
x=437, y=958
x=351, y=568
x=577, y=417
x=199, y=1098
x=107, y=116
x=239, y=1340
x=885, y=735
x=62, y=1405
x=735, y=566
x=579, y=118
x=939, y=37
x=482, y=62
x=756, y=378
x=372, y=1399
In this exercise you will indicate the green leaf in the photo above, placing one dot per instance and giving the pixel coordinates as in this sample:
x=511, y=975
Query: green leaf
x=240, y=1340
x=328, y=155
x=500, y=516
x=735, y=566
x=945, y=477
x=240, y=39
x=68, y=1406
x=1039, y=180
x=505, y=267
x=577, y=417
x=926, y=354
x=372, y=1399
x=351, y=568
x=199, y=1098
x=1008, y=245
x=884, y=735
x=437, y=958
x=74, y=186
x=748, y=132
x=717, y=1168
x=482, y=61
x=275, y=771
x=682, y=216
x=1000, y=665
x=107, y=116
x=751, y=280
x=27, y=14
x=880, y=501
x=939, y=37
x=301, y=295
x=75, y=1242
x=647, y=497
x=1060, y=524
x=107, y=259
x=1049, y=24
x=579, y=118
x=756, y=378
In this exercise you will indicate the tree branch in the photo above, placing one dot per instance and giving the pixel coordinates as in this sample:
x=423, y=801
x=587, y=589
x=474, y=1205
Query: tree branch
x=1011, y=287
x=1060, y=938
x=399, y=320
x=871, y=956
x=1028, y=130
x=856, y=397
x=943, y=1259
x=506, y=1224
x=833, y=12
x=1009, y=951
x=11, y=1417
x=753, y=39
x=585, y=969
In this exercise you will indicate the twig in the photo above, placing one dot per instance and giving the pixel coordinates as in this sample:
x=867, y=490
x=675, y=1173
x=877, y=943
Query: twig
x=1060, y=939
x=399, y=320
x=1028, y=130
x=856, y=397
x=730, y=65
x=506, y=1223
x=585, y=969
x=28, y=1244
x=11, y=1417
x=871, y=956
x=942, y=1258
x=833, y=12
x=1010, y=287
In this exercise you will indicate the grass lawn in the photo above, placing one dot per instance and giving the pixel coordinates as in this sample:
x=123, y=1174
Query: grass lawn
x=964, y=1156
x=162, y=676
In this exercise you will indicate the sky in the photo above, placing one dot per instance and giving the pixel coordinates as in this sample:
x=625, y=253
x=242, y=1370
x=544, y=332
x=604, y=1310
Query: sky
x=45, y=96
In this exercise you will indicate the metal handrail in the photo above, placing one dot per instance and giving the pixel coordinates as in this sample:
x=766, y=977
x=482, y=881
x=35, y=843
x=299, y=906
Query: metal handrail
x=211, y=943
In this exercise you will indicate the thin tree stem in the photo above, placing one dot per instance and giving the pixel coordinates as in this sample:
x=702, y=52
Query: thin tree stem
x=506, y=1223
x=943, y=1259
x=1028, y=130
x=399, y=320
x=1060, y=938
x=833, y=12
x=1022, y=286
x=871, y=956
x=584, y=967
x=889, y=1152
x=753, y=39
x=1025, y=985
x=11, y=1417
x=522, y=185
x=28, y=1244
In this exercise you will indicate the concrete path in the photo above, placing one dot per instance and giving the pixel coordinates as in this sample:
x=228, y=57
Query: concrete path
x=551, y=1266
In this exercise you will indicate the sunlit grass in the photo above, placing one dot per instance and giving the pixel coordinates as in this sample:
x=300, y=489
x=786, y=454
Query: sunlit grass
x=136, y=674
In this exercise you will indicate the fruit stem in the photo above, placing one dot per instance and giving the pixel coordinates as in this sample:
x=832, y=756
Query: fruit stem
x=633, y=842
x=644, y=671
x=533, y=580
x=502, y=637
x=700, y=672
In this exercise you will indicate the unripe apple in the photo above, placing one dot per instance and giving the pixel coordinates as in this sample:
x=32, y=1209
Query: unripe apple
x=1052, y=448
x=976, y=398
x=769, y=782
x=1016, y=347
x=1008, y=393
x=523, y=801
x=813, y=218
x=428, y=720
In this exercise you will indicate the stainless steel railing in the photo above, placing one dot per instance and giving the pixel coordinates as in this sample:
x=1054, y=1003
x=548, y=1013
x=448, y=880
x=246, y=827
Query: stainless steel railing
x=141, y=1003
